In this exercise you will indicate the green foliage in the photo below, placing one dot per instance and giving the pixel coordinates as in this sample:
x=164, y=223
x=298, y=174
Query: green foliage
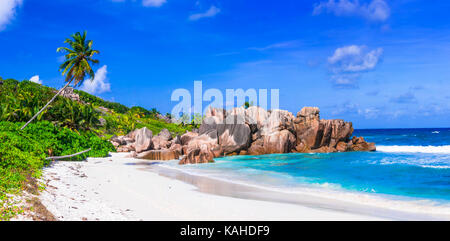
x=46, y=139
x=122, y=124
x=19, y=101
x=248, y=104
x=78, y=58
x=142, y=112
x=23, y=153
x=74, y=115
x=65, y=127
x=88, y=98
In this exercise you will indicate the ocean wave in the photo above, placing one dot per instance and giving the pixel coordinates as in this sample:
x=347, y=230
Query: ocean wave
x=424, y=163
x=336, y=193
x=436, y=167
x=416, y=149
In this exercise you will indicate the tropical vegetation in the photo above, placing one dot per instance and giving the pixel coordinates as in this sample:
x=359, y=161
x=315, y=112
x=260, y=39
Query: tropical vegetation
x=77, y=65
x=65, y=127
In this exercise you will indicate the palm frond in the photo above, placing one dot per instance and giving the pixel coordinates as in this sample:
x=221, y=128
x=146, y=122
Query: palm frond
x=78, y=58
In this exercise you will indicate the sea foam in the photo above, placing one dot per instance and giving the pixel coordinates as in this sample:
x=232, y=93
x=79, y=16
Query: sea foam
x=416, y=149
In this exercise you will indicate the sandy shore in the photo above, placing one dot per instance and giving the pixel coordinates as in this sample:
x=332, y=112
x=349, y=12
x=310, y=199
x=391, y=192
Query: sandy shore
x=118, y=188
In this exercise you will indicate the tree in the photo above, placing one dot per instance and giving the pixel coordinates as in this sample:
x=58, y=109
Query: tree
x=79, y=57
x=247, y=104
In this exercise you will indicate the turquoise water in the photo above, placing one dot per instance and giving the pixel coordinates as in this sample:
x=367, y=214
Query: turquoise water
x=411, y=163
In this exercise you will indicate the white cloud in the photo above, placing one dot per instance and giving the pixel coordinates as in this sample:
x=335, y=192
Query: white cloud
x=347, y=64
x=354, y=58
x=349, y=108
x=375, y=10
x=100, y=83
x=148, y=3
x=281, y=45
x=345, y=81
x=211, y=12
x=370, y=113
x=153, y=3
x=36, y=79
x=7, y=11
x=405, y=98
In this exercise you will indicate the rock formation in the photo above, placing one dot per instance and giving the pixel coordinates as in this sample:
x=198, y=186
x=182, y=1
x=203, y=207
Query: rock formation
x=68, y=93
x=314, y=134
x=240, y=131
x=143, y=139
x=163, y=155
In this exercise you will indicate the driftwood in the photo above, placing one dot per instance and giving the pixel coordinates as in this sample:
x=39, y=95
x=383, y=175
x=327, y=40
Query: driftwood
x=63, y=157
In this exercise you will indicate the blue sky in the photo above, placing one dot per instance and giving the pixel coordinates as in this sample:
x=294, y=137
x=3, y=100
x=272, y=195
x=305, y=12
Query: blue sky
x=377, y=63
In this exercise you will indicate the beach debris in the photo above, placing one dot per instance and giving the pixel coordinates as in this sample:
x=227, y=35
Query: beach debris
x=68, y=156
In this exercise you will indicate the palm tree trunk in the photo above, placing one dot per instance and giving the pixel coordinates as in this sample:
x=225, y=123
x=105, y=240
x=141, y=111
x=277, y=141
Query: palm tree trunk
x=45, y=107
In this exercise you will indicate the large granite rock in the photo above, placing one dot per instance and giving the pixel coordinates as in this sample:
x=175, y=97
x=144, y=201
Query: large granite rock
x=165, y=135
x=256, y=116
x=187, y=137
x=198, y=141
x=203, y=154
x=132, y=134
x=276, y=134
x=251, y=131
x=308, y=129
x=70, y=94
x=313, y=133
x=159, y=155
x=126, y=148
x=177, y=148
x=201, y=149
x=257, y=148
x=279, y=142
x=164, y=118
x=234, y=134
x=343, y=147
x=162, y=140
x=359, y=144
x=216, y=112
x=143, y=140
x=338, y=130
x=278, y=120
x=118, y=141
x=210, y=125
x=236, y=111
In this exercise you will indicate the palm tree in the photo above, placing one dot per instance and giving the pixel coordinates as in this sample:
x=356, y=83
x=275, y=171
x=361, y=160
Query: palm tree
x=79, y=57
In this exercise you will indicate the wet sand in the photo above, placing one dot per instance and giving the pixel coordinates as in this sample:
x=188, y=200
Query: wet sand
x=243, y=191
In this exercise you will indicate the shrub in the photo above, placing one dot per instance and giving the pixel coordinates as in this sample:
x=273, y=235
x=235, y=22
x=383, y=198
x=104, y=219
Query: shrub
x=88, y=98
x=23, y=153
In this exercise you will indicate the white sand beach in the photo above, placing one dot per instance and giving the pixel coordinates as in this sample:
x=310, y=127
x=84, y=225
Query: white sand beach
x=118, y=188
